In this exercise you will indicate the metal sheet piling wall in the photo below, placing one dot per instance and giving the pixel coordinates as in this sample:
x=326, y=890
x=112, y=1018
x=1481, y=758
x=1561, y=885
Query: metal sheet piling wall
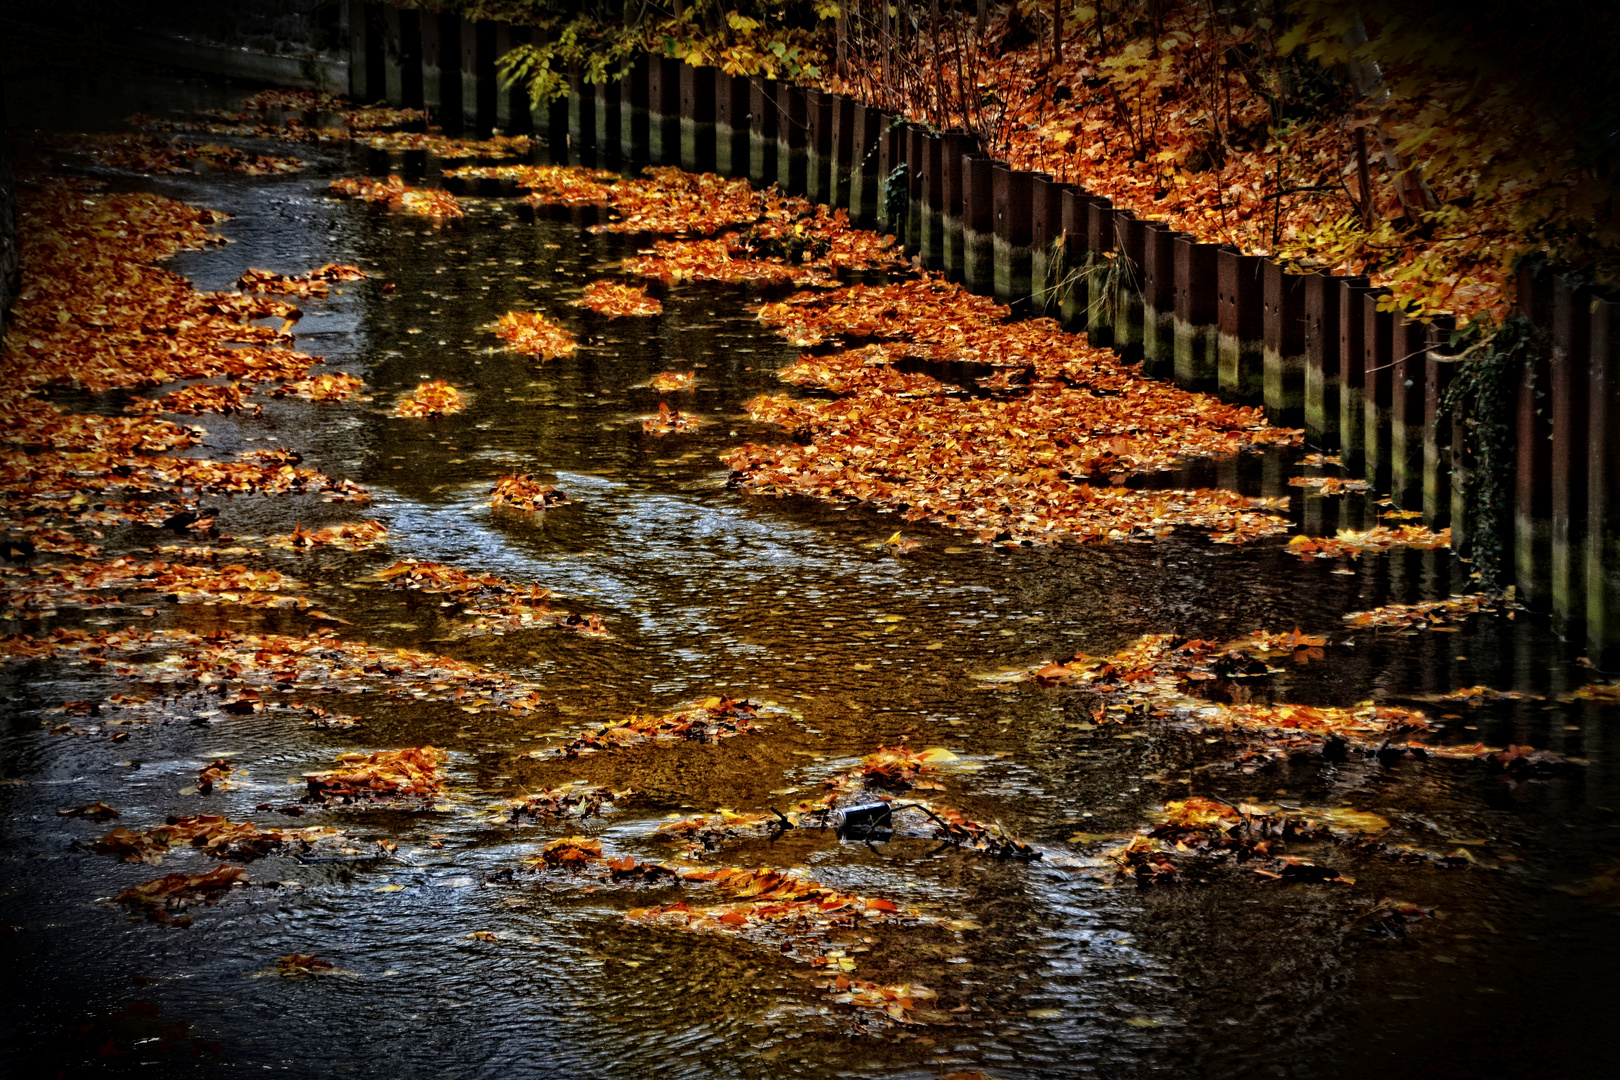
x=1313, y=349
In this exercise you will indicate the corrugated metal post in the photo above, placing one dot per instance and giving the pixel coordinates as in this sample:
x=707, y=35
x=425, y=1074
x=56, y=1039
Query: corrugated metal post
x=1603, y=485
x=863, y=181
x=958, y=145
x=762, y=116
x=633, y=123
x=792, y=128
x=581, y=119
x=1130, y=240
x=1012, y=193
x=1568, y=387
x=1242, y=353
x=1283, y=344
x=932, y=235
x=843, y=160
x=512, y=104
x=1532, y=510
x=1437, y=372
x=1352, y=373
x=916, y=169
x=1377, y=359
x=1197, y=313
x=979, y=224
x=478, y=77
x=1159, y=300
x=609, y=121
x=697, y=115
x=730, y=123
x=1408, y=382
x=1099, y=272
x=818, y=111
x=402, y=57
x=1322, y=370
x=1046, y=263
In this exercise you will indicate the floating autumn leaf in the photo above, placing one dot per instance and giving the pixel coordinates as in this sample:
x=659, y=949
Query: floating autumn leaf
x=213, y=773
x=899, y=768
x=521, y=491
x=490, y=604
x=557, y=185
x=614, y=299
x=442, y=146
x=96, y=811
x=708, y=832
x=336, y=387
x=571, y=852
x=532, y=334
x=432, y=398
x=1329, y=485
x=709, y=720
x=175, y=892
x=670, y=381
x=387, y=775
x=197, y=399
x=215, y=835
x=423, y=202
x=349, y=536
x=899, y=545
x=669, y=421
x=576, y=802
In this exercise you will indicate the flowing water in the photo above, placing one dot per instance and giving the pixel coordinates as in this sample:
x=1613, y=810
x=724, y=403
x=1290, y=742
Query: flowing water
x=707, y=590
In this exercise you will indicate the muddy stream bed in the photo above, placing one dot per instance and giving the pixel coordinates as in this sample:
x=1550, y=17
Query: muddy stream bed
x=1043, y=969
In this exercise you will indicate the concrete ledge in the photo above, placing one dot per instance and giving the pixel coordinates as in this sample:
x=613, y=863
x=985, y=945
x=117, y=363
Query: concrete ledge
x=307, y=72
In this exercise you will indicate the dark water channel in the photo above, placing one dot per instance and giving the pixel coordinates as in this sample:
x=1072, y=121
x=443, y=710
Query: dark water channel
x=707, y=590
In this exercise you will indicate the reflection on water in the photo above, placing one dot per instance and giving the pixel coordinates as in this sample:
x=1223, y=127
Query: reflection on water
x=707, y=590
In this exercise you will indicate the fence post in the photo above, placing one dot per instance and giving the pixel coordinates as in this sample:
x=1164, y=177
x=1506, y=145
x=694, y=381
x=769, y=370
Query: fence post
x=512, y=104
x=366, y=83
x=762, y=117
x=663, y=111
x=1408, y=382
x=792, y=124
x=697, y=112
x=402, y=57
x=1130, y=240
x=1602, y=479
x=818, y=145
x=915, y=192
x=843, y=151
x=581, y=119
x=1197, y=312
x=1072, y=298
x=891, y=154
x=1532, y=510
x=1159, y=299
x=932, y=235
x=441, y=69
x=958, y=145
x=1242, y=354
x=1047, y=266
x=1437, y=431
x=478, y=77
x=730, y=123
x=863, y=180
x=633, y=111
x=979, y=224
x=609, y=120
x=1569, y=384
x=1011, y=193
x=1352, y=332
x=1323, y=373
x=1099, y=248
x=1377, y=358
x=1283, y=344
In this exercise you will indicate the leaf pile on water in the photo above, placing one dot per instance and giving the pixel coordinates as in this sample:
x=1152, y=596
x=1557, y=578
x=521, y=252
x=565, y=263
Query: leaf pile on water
x=549, y=185
x=197, y=399
x=96, y=811
x=348, y=536
x=489, y=604
x=317, y=282
x=521, y=491
x=570, y=852
x=280, y=114
x=898, y=1002
x=709, y=832
x=614, y=299
x=432, y=398
x=671, y=381
x=43, y=588
x=1014, y=466
x=708, y=720
x=443, y=146
x=669, y=421
x=1329, y=485
x=576, y=801
x=334, y=387
x=175, y=892
x=1427, y=614
x=900, y=769
x=153, y=155
x=215, y=835
x=1349, y=543
x=433, y=203
x=302, y=966
x=532, y=334
x=387, y=775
